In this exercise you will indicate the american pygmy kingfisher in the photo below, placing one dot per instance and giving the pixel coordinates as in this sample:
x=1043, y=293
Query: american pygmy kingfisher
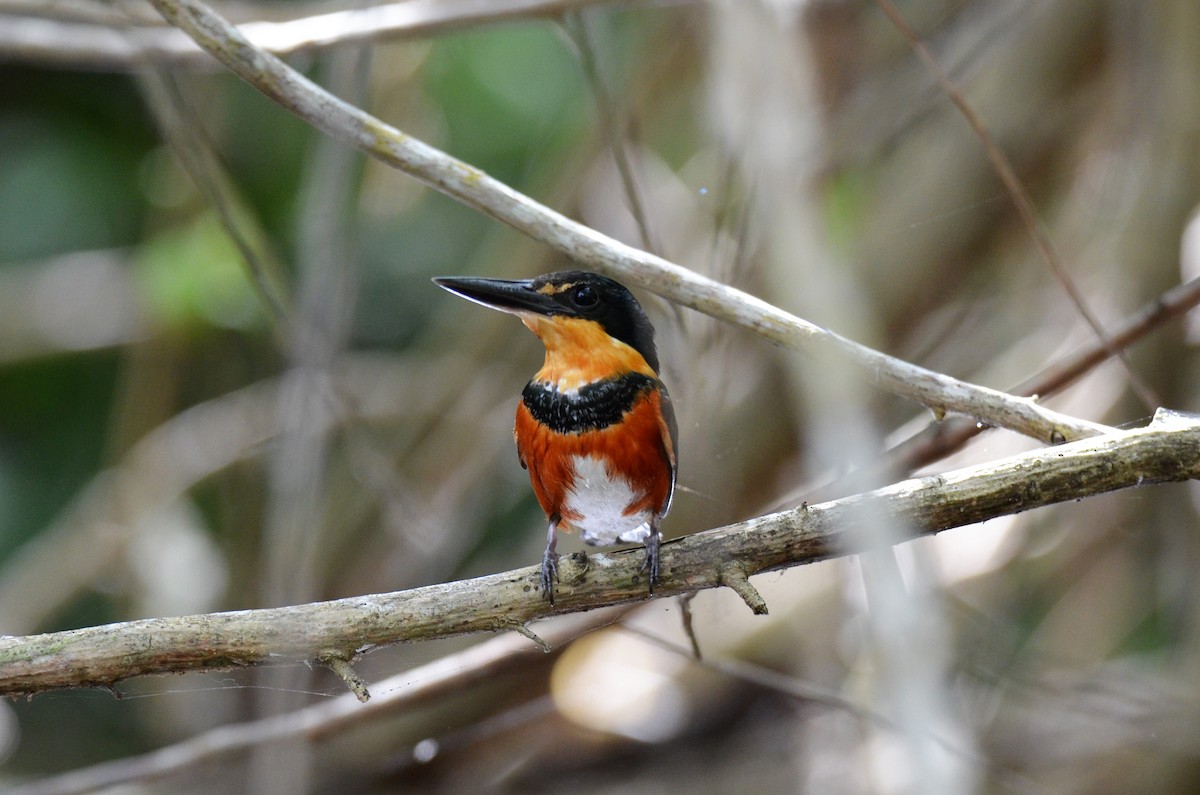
x=595, y=427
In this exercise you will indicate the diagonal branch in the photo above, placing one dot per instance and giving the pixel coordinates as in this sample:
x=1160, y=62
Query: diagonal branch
x=1167, y=450
x=479, y=191
x=938, y=440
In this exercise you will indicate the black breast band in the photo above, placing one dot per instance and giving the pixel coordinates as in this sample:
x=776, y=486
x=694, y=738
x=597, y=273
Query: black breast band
x=592, y=407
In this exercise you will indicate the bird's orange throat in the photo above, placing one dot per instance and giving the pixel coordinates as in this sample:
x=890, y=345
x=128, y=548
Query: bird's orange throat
x=580, y=352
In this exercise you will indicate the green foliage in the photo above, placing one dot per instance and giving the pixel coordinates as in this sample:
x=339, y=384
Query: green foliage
x=70, y=145
x=844, y=208
x=507, y=95
x=63, y=186
x=193, y=275
x=53, y=430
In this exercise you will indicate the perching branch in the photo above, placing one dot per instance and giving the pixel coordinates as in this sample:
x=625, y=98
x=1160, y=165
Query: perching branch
x=588, y=247
x=1167, y=450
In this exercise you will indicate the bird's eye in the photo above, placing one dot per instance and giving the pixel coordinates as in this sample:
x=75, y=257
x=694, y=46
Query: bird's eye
x=585, y=296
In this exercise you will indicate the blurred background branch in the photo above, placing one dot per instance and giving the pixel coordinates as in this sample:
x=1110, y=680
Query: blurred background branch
x=92, y=35
x=473, y=668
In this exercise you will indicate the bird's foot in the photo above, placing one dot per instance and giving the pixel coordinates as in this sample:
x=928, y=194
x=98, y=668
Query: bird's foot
x=549, y=574
x=651, y=564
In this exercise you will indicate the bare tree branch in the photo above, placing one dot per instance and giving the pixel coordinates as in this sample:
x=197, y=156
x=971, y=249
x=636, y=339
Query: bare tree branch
x=937, y=440
x=1167, y=450
x=90, y=42
x=476, y=189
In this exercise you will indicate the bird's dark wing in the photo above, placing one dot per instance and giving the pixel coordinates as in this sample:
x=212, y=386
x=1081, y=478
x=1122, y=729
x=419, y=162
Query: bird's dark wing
x=670, y=437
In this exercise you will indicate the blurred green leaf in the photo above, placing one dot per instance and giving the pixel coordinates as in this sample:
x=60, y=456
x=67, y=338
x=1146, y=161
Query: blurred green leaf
x=845, y=200
x=192, y=275
x=62, y=187
x=504, y=92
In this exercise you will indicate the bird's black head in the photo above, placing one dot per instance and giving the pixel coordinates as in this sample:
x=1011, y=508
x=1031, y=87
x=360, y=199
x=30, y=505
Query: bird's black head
x=573, y=294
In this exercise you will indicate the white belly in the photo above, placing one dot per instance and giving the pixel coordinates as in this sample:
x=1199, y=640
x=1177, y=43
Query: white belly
x=600, y=500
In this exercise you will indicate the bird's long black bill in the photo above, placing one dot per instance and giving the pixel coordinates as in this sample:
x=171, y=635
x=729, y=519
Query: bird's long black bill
x=507, y=295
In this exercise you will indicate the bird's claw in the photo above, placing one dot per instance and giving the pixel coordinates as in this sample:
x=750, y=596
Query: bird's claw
x=549, y=574
x=651, y=564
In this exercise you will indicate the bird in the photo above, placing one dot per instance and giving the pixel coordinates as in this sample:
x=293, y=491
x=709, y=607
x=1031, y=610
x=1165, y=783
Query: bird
x=595, y=426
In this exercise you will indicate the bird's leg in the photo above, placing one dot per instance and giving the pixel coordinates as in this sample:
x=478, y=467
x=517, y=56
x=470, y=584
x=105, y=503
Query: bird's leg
x=650, y=564
x=550, y=561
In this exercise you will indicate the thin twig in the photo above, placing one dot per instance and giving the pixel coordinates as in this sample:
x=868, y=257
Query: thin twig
x=576, y=27
x=588, y=247
x=1020, y=198
x=84, y=40
x=689, y=626
x=734, y=577
x=940, y=439
x=1167, y=450
x=184, y=133
x=340, y=665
